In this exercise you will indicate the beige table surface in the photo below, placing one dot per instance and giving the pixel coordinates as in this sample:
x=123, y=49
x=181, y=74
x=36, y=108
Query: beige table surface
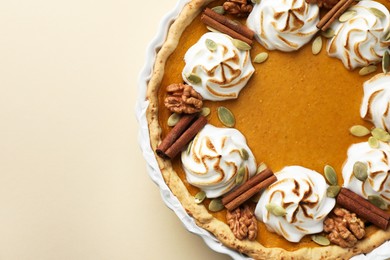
x=73, y=183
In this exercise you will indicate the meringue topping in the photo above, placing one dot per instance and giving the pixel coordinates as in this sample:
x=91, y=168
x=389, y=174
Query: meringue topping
x=302, y=193
x=215, y=158
x=223, y=71
x=284, y=25
x=376, y=101
x=360, y=41
x=378, y=165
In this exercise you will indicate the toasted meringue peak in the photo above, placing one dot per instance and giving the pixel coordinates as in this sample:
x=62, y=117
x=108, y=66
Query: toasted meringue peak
x=214, y=158
x=361, y=40
x=223, y=71
x=378, y=164
x=302, y=193
x=376, y=101
x=284, y=25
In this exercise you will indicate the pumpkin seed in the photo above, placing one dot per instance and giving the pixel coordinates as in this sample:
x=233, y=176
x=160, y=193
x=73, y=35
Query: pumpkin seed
x=373, y=142
x=386, y=62
x=244, y=154
x=316, y=47
x=173, y=119
x=329, y=33
x=211, y=45
x=360, y=171
x=380, y=134
x=321, y=240
x=261, y=57
x=387, y=37
x=367, y=70
x=240, y=175
x=330, y=175
x=243, y=46
x=359, y=130
x=199, y=197
x=216, y=205
x=333, y=191
x=211, y=29
x=378, y=13
x=226, y=116
x=378, y=201
x=219, y=9
x=189, y=146
x=193, y=78
x=205, y=111
x=276, y=210
x=261, y=168
x=346, y=16
x=255, y=1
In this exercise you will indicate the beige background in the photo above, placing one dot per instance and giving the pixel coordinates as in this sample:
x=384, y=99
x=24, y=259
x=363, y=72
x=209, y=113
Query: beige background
x=73, y=183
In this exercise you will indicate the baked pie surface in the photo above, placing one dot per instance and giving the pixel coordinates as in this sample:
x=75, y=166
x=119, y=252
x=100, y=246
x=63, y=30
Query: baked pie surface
x=295, y=110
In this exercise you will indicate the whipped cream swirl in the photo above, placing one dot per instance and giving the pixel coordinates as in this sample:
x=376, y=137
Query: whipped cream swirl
x=361, y=40
x=302, y=193
x=223, y=71
x=376, y=101
x=378, y=164
x=214, y=158
x=284, y=25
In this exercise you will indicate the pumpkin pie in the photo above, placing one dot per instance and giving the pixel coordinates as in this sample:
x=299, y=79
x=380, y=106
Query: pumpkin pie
x=299, y=87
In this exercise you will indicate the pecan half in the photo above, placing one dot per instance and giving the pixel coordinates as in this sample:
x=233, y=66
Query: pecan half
x=344, y=228
x=239, y=8
x=183, y=98
x=242, y=222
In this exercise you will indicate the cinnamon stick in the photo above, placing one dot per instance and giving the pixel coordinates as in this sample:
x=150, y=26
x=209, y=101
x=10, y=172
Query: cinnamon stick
x=224, y=29
x=186, y=137
x=365, y=203
x=243, y=30
x=249, y=193
x=361, y=211
x=174, y=134
x=333, y=14
x=247, y=185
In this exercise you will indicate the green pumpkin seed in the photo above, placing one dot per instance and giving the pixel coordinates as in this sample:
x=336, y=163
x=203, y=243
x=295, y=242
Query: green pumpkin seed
x=329, y=33
x=199, y=197
x=347, y=15
x=276, y=210
x=378, y=201
x=173, y=119
x=321, y=240
x=359, y=130
x=330, y=175
x=205, y=111
x=333, y=191
x=219, y=9
x=386, y=62
x=193, y=78
x=255, y=1
x=373, y=142
x=240, y=175
x=261, y=168
x=380, y=134
x=378, y=13
x=367, y=70
x=387, y=37
x=360, y=171
x=211, y=45
x=316, y=47
x=189, y=146
x=226, y=116
x=261, y=57
x=244, y=154
x=243, y=46
x=216, y=205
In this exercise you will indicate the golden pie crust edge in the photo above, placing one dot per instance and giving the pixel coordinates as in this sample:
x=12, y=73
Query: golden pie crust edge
x=200, y=214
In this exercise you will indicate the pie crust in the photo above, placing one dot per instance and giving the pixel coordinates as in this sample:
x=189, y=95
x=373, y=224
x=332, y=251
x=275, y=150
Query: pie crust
x=199, y=212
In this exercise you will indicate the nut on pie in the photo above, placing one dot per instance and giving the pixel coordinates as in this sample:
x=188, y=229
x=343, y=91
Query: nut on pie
x=270, y=123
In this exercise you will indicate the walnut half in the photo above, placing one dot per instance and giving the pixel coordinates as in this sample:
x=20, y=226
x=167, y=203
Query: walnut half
x=242, y=222
x=344, y=228
x=240, y=8
x=183, y=98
